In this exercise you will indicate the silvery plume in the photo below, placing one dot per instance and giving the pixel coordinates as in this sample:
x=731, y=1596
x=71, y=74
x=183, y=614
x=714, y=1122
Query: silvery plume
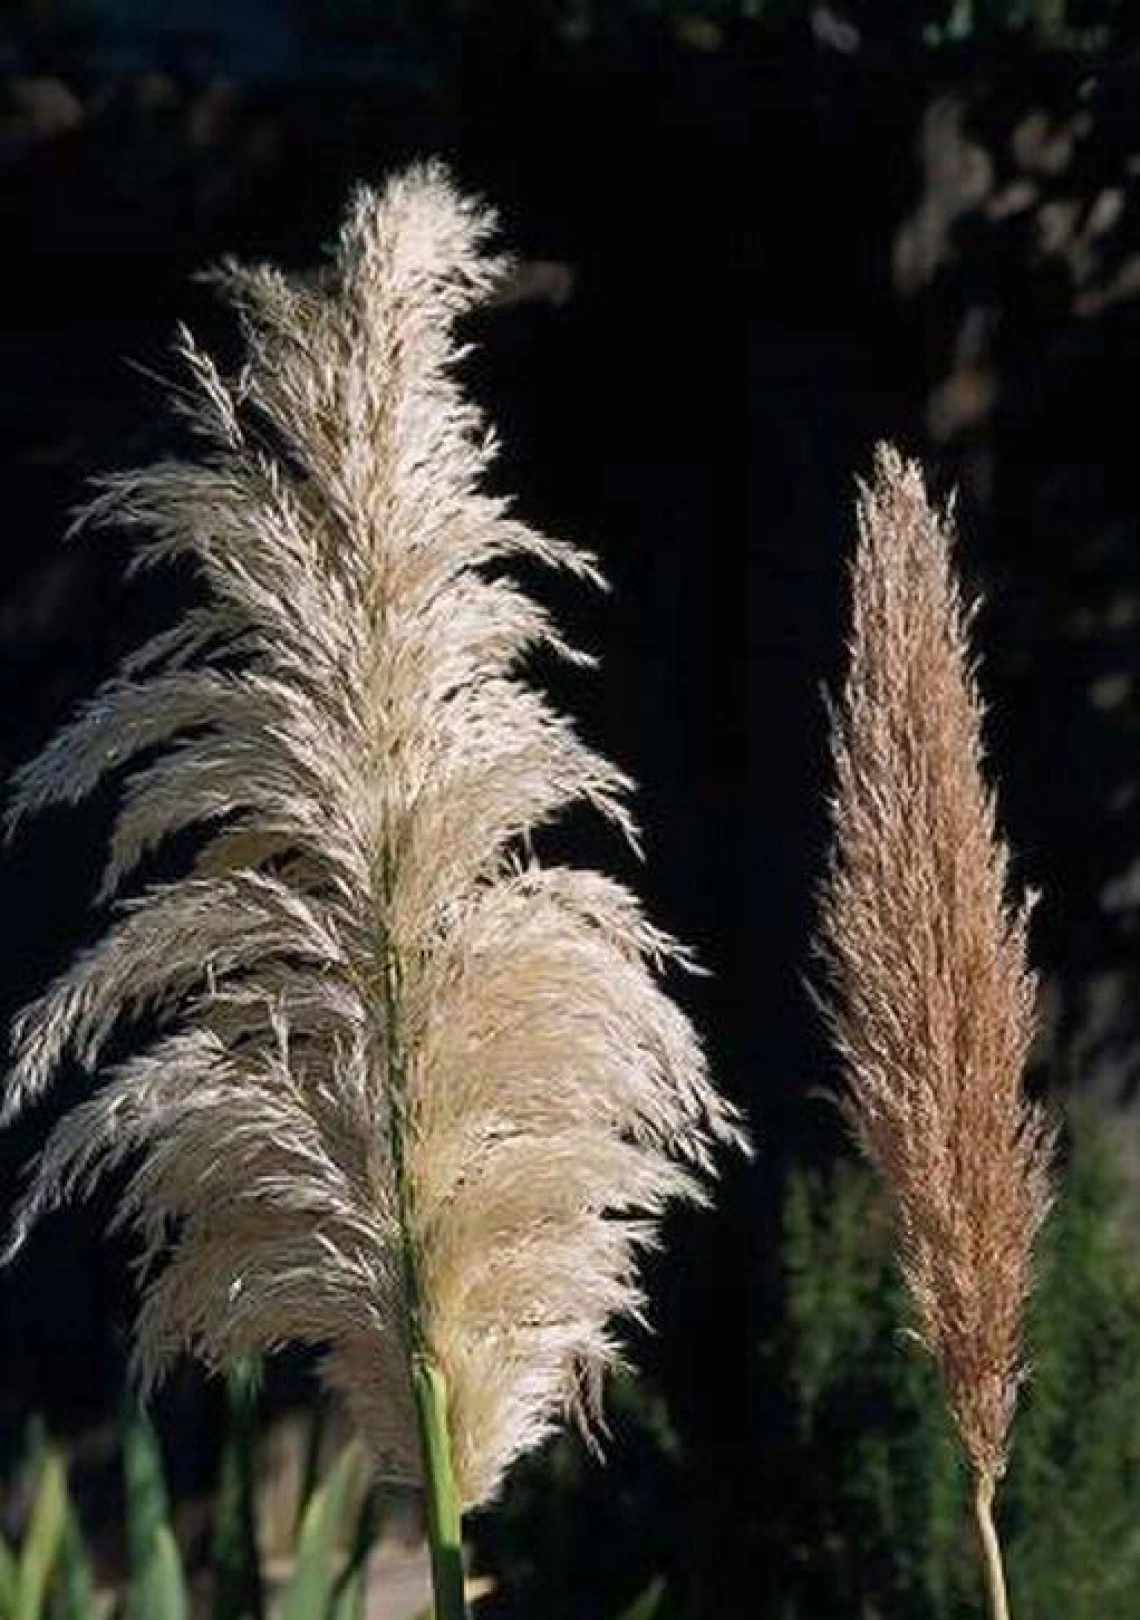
x=400, y=1089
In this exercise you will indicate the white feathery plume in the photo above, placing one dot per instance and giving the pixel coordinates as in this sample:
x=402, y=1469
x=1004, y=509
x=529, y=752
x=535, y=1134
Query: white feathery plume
x=408, y=1091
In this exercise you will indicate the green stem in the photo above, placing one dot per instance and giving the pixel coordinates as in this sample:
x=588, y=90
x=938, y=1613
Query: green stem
x=990, y=1547
x=444, y=1520
x=445, y=1532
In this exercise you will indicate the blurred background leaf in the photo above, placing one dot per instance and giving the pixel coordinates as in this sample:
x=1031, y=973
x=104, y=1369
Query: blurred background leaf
x=870, y=1462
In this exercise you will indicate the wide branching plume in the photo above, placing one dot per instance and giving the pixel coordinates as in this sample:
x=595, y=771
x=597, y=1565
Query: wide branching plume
x=402, y=1091
x=930, y=995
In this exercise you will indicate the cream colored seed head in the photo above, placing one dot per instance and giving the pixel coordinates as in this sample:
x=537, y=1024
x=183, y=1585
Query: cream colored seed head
x=364, y=984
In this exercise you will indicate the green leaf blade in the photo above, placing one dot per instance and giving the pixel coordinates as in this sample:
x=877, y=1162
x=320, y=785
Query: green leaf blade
x=42, y=1539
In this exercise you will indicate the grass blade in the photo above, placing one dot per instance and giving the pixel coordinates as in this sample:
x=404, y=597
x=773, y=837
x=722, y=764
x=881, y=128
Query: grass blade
x=7, y=1578
x=238, y=1591
x=42, y=1538
x=351, y=1597
x=474, y=1588
x=73, y=1589
x=648, y=1605
x=351, y=1594
x=311, y=1468
x=309, y=1592
x=156, y=1583
x=162, y=1586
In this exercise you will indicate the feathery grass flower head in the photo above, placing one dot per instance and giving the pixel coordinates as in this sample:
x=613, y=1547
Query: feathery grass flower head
x=405, y=1091
x=931, y=998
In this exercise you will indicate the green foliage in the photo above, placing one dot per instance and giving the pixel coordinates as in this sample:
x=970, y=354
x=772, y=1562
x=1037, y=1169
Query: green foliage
x=351, y=1591
x=48, y=1574
x=871, y=1515
x=878, y=1519
x=42, y=1577
x=1074, y=1543
x=238, y=1593
x=157, y=1585
x=40, y=1550
x=8, y=1568
x=649, y=1605
x=313, y=1586
x=73, y=1590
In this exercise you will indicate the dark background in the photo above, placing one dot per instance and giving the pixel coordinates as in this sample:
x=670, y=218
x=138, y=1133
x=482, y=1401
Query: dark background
x=792, y=230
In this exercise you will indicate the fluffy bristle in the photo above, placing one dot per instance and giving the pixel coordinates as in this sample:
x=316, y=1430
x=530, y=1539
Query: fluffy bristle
x=396, y=1046
x=931, y=997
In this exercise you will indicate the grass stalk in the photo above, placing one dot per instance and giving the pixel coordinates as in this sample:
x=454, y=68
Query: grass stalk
x=445, y=1533
x=990, y=1548
x=429, y=1387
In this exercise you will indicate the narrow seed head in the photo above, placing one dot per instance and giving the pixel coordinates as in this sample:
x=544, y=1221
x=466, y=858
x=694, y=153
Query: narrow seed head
x=412, y=1091
x=931, y=1000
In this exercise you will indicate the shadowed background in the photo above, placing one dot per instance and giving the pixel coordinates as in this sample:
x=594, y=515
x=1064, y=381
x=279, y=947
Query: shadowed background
x=757, y=237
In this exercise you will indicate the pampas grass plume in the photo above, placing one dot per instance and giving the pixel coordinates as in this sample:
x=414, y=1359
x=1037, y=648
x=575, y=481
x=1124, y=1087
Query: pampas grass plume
x=405, y=1090
x=931, y=998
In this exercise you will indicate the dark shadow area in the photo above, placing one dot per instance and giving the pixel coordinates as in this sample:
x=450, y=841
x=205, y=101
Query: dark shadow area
x=758, y=240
